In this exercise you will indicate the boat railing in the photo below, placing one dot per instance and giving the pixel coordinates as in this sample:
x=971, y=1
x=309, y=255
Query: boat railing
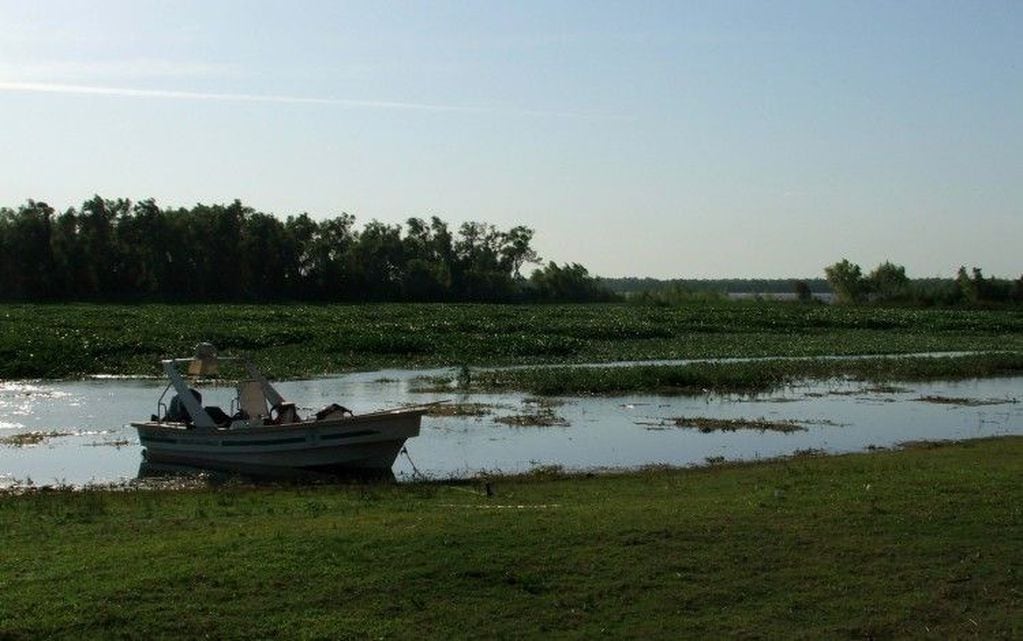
x=161, y=406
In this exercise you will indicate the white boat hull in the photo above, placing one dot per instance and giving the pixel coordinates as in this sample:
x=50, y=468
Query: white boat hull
x=369, y=442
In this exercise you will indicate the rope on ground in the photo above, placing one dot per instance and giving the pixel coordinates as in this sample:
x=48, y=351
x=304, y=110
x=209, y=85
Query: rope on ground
x=415, y=470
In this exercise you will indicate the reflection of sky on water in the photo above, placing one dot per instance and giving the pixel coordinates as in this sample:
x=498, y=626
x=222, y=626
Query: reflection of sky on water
x=602, y=433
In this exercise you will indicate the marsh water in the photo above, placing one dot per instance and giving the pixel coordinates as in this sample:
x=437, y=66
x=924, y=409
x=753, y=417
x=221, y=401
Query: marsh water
x=75, y=432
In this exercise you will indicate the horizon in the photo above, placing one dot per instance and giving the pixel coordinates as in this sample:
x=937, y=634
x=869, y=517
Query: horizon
x=705, y=141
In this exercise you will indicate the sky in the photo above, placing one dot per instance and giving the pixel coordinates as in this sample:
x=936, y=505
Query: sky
x=665, y=139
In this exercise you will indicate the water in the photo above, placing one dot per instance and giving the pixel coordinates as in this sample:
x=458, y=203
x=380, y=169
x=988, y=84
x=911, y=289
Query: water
x=96, y=446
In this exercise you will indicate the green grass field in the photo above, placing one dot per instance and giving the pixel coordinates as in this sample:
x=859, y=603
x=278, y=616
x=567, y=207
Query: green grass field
x=922, y=543
x=53, y=341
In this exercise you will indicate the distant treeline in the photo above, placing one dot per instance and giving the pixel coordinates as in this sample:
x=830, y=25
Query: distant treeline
x=631, y=286
x=123, y=251
x=889, y=284
x=845, y=283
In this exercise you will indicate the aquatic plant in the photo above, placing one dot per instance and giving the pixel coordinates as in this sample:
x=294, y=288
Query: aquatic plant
x=965, y=402
x=745, y=377
x=460, y=409
x=52, y=341
x=543, y=417
x=707, y=424
x=28, y=439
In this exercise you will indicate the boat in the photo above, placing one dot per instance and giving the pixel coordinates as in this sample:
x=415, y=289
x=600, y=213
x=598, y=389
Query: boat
x=262, y=433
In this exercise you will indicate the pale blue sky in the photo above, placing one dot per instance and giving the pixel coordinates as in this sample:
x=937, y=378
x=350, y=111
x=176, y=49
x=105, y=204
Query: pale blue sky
x=668, y=139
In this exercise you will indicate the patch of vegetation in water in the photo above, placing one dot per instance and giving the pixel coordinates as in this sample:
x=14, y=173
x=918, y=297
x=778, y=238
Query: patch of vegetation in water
x=432, y=384
x=116, y=444
x=743, y=377
x=880, y=388
x=460, y=409
x=302, y=340
x=29, y=439
x=965, y=402
x=545, y=402
x=543, y=417
x=885, y=389
x=707, y=425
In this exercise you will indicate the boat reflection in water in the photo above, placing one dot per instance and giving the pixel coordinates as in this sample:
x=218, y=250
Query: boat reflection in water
x=210, y=476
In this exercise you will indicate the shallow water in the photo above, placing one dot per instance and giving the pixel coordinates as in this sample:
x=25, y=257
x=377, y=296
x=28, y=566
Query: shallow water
x=96, y=446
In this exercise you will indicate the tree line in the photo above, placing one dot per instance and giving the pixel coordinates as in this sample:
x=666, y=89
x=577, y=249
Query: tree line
x=119, y=250
x=888, y=283
x=633, y=286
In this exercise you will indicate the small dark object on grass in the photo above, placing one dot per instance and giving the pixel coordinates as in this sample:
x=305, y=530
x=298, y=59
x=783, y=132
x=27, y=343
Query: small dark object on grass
x=810, y=452
x=925, y=444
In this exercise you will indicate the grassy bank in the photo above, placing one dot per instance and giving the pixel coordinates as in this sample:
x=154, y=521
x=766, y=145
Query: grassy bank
x=921, y=543
x=742, y=377
x=49, y=341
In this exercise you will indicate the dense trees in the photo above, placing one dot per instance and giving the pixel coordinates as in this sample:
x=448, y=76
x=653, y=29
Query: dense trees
x=846, y=280
x=568, y=283
x=693, y=287
x=888, y=283
x=119, y=250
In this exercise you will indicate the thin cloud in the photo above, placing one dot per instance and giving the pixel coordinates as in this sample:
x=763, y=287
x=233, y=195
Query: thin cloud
x=138, y=68
x=125, y=92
